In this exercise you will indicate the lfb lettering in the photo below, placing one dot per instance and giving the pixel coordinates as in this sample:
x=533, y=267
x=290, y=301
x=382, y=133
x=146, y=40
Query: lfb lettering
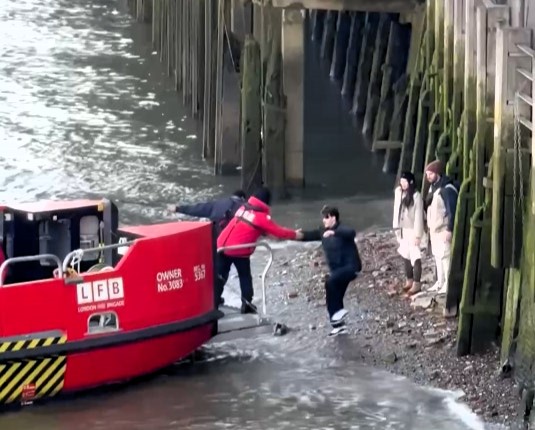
x=100, y=291
x=248, y=216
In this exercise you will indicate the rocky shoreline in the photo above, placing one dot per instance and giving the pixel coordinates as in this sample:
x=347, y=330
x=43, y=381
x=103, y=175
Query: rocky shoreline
x=404, y=336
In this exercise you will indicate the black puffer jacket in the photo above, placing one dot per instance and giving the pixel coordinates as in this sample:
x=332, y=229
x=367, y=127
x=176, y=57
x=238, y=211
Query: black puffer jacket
x=340, y=249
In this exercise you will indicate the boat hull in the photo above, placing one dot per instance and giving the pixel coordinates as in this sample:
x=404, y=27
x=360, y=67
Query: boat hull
x=150, y=309
x=47, y=365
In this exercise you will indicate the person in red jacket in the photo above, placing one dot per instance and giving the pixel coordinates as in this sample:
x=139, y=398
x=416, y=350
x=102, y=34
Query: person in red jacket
x=251, y=221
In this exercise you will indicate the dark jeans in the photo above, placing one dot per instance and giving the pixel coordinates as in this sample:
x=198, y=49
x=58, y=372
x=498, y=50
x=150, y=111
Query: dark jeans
x=243, y=266
x=414, y=273
x=335, y=288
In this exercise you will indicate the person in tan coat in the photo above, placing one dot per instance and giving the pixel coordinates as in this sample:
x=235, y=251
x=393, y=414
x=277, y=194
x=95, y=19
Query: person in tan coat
x=408, y=223
x=441, y=203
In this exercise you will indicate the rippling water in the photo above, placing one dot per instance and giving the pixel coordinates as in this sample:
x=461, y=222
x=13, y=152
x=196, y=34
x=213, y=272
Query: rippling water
x=86, y=111
x=275, y=383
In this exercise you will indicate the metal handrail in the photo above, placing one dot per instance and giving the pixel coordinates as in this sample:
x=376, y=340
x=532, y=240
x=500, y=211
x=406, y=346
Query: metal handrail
x=262, y=244
x=26, y=259
x=526, y=50
x=81, y=252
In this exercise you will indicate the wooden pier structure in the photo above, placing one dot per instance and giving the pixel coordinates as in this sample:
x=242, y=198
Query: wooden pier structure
x=446, y=79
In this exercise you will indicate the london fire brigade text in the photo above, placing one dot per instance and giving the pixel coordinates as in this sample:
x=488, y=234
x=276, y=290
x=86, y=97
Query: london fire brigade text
x=99, y=295
x=169, y=280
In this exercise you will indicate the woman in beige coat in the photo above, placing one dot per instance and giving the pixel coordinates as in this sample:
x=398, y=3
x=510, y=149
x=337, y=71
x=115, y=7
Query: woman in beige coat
x=408, y=223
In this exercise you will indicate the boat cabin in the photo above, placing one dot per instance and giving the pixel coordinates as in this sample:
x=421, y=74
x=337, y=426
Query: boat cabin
x=51, y=228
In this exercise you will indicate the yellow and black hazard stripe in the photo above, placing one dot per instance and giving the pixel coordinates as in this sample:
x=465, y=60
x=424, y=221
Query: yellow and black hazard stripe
x=37, y=377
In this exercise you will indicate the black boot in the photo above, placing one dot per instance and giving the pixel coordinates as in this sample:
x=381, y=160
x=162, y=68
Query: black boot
x=248, y=308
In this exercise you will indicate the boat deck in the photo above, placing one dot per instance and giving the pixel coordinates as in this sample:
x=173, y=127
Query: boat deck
x=235, y=325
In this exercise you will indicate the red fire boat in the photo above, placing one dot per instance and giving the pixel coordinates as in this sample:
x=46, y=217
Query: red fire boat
x=84, y=303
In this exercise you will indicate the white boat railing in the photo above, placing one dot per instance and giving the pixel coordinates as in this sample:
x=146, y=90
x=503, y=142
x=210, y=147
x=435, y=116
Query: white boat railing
x=261, y=244
x=77, y=254
x=26, y=259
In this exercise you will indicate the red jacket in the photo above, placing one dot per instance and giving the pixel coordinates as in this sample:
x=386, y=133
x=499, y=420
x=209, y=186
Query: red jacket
x=251, y=221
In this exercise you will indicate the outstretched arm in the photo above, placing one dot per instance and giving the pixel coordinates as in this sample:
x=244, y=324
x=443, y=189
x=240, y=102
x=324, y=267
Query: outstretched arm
x=273, y=229
x=311, y=235
x=200, y=210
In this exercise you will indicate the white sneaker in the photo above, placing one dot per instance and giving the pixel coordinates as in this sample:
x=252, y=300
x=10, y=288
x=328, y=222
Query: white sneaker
x=339, y=316
x=443, y=290
x=338, y=330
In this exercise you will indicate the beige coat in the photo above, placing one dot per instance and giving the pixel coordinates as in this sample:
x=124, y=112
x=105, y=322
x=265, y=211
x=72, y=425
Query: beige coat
x=411, y=220
x=437, y=220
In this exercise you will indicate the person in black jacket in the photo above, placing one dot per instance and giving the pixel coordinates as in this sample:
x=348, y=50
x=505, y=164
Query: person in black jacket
x=344, y=263
x=219, y=211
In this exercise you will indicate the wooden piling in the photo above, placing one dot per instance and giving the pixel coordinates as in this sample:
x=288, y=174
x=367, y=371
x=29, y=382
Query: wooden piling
x=429, y=33
x=218, y=160
x=210, y=79
x=365, y=64
x=171, y=30
x=385, y=106
x=524, y=352
x=343, y=28
x=481, y=299
x=512, y=282
x=440, y=145
x=506, y=76
x=176, y=38
x=417, y=70
x=456, y=167
x=395, y=136
x=194, y=8
x=376, y=74
x=353, y=54
x=438, y=62
x=274, y=115
x=162, y=49
x=251, y=114
x=329, y=33
x=318, y=25
x=188, y=41
x=469, y=123
x=155, y=21
x=399, y=101
x=141, y=10
x=409, y=127
x=425, y=102
x=390, y=112
x=200, y=58
x=447, y=81
x=461, y=233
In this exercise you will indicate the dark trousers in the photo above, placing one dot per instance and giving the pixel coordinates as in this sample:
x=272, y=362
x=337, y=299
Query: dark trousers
x=413, y=272
x=335, y=288
x=243, y=267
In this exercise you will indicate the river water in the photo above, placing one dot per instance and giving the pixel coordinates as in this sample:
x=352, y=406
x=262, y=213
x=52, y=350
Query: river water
x=86, y=110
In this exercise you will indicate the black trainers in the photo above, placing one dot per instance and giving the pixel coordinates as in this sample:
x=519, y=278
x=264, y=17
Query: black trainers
x=248, y=308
